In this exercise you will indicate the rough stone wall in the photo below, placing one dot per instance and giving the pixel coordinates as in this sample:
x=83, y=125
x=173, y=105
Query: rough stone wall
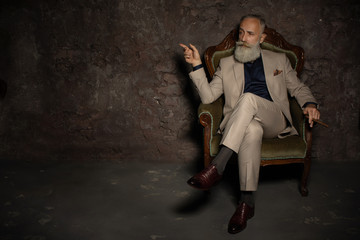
x=105, y=79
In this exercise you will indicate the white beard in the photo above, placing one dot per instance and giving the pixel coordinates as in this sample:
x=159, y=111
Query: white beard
x=245, y=52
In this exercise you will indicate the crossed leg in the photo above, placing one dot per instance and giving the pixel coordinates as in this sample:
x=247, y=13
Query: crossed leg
x=252, y=119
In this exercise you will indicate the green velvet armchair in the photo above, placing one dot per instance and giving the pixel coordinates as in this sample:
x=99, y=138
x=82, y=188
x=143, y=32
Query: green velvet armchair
x=293, y=149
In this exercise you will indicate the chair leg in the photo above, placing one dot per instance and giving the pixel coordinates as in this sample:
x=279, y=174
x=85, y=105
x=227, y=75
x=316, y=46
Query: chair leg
x=205, y=120
x=303, y=189
x=207, y=160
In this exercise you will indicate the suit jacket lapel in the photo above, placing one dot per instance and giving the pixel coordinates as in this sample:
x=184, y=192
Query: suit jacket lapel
x=269, y=68
x=239, y=75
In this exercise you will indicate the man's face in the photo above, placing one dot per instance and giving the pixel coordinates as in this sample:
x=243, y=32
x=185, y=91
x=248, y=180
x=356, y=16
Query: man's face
x=248, y=47
x=249, y=31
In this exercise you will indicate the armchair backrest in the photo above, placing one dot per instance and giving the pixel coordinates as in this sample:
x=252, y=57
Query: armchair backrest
x=273, y=42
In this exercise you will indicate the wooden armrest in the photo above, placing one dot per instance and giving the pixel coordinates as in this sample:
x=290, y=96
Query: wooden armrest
x=214, y=112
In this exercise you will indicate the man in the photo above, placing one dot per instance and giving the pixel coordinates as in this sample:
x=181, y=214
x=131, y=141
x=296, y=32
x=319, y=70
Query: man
x=255, y=84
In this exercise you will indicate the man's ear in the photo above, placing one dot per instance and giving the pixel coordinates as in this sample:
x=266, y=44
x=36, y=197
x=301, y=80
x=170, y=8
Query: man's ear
x=262, y=38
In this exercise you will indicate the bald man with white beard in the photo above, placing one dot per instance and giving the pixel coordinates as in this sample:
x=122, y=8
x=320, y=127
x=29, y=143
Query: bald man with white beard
x=255, y=84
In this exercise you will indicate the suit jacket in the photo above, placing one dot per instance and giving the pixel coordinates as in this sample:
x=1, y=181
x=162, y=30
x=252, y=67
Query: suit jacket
x=229, y=80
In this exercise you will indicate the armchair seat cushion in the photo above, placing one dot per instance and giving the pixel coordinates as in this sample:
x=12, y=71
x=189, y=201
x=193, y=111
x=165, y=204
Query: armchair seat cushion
x=284, y=148
x=291, y=147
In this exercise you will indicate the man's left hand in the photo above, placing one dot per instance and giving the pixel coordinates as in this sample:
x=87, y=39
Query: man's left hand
x=312, y=112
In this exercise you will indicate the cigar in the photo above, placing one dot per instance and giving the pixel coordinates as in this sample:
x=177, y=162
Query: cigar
x=318, y=121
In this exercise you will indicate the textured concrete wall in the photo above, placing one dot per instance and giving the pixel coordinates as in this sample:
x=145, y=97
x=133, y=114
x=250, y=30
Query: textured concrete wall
x=105, y=79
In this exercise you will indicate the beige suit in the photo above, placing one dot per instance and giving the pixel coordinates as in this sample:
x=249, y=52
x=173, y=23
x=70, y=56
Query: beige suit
x=229, y=80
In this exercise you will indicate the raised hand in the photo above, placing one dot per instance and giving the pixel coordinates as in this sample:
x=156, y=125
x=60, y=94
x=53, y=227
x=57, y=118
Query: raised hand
x=191, y=54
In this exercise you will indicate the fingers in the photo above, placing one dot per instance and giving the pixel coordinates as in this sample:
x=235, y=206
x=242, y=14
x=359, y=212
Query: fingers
x=193, y=48
x=191, y=54
x=187, y=50
x=183, y=46
x=311, y=122
x=313, y=114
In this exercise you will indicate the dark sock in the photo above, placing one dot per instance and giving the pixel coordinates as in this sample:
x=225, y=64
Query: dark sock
x=248, y=198
x=222, y=158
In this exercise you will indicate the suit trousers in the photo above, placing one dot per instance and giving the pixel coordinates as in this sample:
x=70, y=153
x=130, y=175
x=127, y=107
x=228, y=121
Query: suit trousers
x=252, y=119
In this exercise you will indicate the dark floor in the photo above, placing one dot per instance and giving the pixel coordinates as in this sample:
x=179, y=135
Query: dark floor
x=119, y=200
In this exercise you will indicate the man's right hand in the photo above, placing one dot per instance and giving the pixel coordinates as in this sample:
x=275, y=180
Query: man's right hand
x=191, y=54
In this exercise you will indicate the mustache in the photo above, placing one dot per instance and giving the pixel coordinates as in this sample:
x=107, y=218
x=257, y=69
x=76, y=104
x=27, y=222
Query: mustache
x=244, y=44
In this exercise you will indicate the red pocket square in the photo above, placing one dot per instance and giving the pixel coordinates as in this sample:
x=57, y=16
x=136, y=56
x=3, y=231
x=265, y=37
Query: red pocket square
x=277, y=72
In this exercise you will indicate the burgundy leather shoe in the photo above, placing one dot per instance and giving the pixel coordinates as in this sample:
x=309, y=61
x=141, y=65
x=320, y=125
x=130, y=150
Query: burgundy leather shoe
x=238, y=220
x=205, y=179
